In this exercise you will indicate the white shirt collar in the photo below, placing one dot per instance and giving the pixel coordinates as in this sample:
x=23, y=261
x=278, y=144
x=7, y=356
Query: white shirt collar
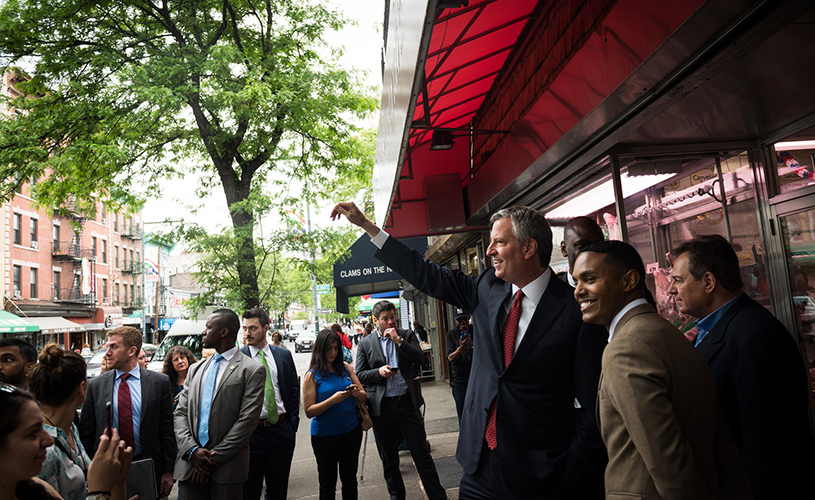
x=229, y=353
x=631, y=305
x=534, y=290
x=254, y=350
x=570, y=279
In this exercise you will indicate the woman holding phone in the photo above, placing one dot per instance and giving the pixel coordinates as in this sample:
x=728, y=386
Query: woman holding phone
x=330, y=389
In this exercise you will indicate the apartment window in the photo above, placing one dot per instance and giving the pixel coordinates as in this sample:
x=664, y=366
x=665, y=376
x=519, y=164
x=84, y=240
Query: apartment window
x=116, y=294
x=104, y=215
x=18, y=283
x=104, y=290
x=56, y=285
x=116, y=222
x=125, y=297
x=18, y=233
x=116, y=256
x=55, y=236
x=33, y=225
x=104, y=252
x=93, y=247
x=131, y=260
x=33, y=284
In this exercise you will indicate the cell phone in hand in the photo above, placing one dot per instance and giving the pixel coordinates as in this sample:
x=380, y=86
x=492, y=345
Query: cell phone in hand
x=349, y=388
x=109, y=415
x=464, y=335
x=394, y=368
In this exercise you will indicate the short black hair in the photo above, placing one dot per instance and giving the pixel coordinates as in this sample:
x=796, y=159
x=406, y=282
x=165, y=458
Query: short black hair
x=27, y=350
x=712, y=253
x=259, y=313
x=231, y=320
x=382, y=306
x=620, y=256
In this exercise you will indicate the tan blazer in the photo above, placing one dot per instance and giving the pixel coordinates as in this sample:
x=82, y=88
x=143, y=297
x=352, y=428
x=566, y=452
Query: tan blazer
x=659, y=420
x=233, y=418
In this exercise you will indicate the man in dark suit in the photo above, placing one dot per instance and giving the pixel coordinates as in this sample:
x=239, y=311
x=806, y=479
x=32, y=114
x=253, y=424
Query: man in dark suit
x=657, y=405
x=271, y=446
x=761, y=384
x=384, y=365
x=216, y=414
x=578, y=233
x=150, y=426
x=528, y=427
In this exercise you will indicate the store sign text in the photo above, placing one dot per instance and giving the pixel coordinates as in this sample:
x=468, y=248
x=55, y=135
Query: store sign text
x=364, y=271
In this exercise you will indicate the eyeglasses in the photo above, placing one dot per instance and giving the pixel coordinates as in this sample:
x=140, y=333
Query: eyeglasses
x=10, y=389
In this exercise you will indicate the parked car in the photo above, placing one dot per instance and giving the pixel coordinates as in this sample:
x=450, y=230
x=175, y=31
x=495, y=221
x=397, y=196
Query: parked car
x=149, y=349
x=95, y=363
x=183, y=332
x=304, y=342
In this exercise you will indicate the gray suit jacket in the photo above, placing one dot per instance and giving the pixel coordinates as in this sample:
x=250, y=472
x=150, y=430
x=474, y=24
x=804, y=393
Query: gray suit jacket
x=233, y=418
x=659, y=419
x=370, y=358
x=156, y=425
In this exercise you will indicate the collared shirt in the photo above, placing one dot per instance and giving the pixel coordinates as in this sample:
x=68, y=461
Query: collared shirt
x=222, y=364
x=396, y=385
x=532, y=295
x=705, y=325
x=617, y=317
x=570, y=280
x=65, y=467
x=134, y=382
x=267, y=352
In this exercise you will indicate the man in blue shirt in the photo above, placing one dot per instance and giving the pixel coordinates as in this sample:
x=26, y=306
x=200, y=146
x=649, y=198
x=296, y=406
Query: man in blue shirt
x=142, y=407
x=760, y=382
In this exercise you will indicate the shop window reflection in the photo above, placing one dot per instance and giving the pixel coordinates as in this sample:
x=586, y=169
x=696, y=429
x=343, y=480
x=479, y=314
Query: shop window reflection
x=799, y=241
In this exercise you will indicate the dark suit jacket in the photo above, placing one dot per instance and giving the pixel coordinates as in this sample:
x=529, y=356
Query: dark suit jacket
x=287, y=381
x=658, y=416
x=370, y=358
x=233, y=418
x=546, y=446
x=762, y=392
x=156, y=425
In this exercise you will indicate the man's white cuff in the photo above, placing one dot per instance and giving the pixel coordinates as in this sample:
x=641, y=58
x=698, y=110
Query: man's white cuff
x=380, y=239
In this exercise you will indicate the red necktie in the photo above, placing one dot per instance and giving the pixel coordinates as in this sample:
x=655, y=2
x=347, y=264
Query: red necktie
x=126, y=412
x=510, y=334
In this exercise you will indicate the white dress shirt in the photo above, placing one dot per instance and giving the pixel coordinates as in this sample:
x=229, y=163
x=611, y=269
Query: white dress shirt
x=267, y=352
x=617, y=317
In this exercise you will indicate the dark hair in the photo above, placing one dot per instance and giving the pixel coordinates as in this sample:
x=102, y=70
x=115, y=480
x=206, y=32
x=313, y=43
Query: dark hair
x=621, y=257
x=319, y=364
x=231, y=320
x=528, y=223
x=27, y=350
x=12, y=399
x=168, y=368
x=57, y=375
x=259, y=313
x=712, y=253
x=382, y=306
x=278, y=334
x=336, y=328
x=130, y=337
x=369, y=327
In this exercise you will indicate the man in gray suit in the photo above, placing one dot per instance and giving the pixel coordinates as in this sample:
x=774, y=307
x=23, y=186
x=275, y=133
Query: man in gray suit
x=216, y=414
x=151, y=406
x=385, y=365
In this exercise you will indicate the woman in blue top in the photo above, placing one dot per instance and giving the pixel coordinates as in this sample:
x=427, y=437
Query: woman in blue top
x=328, y=389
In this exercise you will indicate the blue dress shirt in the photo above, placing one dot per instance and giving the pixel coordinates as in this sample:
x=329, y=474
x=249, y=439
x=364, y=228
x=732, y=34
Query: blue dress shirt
x=704, y=326
x=134, y=382
x=396, y=385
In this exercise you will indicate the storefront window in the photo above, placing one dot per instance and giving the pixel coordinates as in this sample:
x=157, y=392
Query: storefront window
x=795, y=165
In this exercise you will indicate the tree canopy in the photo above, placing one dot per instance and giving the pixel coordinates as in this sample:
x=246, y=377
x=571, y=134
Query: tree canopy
x=118, y=95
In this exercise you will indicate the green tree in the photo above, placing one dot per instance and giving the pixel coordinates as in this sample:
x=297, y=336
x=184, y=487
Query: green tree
x=125, y=93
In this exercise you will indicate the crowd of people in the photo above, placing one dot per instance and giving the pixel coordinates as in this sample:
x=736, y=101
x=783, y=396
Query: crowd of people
x=566, y=387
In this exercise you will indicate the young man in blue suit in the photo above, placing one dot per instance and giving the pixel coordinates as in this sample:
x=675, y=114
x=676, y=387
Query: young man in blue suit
x=528, y=428
x=271, y=446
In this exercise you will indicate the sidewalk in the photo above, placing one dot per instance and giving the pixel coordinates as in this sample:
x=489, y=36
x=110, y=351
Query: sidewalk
x=441, y=425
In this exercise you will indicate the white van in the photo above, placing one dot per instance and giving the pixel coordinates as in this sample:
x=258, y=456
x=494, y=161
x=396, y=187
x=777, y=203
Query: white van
x=183, y=332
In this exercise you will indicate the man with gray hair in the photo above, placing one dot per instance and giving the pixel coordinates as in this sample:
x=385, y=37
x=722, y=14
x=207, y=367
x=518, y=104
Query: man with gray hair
x=527, y=428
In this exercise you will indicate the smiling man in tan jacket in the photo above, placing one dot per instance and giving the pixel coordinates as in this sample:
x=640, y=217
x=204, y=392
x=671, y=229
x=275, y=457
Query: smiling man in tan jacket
x=656, y=406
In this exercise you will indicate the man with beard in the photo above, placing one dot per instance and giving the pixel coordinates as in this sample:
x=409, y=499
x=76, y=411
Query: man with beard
x=17, y=358
x=216, y=414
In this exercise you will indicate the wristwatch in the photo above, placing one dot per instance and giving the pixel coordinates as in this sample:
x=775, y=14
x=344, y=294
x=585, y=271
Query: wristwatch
x=401, y=339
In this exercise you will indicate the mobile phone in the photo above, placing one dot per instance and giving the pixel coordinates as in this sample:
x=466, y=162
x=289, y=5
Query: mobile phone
x=349, y=388
x=465, y=334
x=109, y=413
x=394, y=368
